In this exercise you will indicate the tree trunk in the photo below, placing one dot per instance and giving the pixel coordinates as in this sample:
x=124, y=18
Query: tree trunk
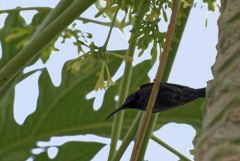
x=220, y=138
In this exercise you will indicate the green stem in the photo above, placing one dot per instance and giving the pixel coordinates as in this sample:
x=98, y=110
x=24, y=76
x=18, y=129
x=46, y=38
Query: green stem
x=87, y=20
x=127, y=138
x=125, y=57
x=41, y=40
x=25, y=9
x=107, y=24
x=42, y=9
x=149, y=131
x=118, y=119
x=123, y=89
x=110, y=30
x=168, y=147
x=102, y=9
x=61, y=6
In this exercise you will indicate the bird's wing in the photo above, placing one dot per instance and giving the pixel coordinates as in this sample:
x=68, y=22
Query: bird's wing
x=175, y=85
x=165, y=85
x=151, y=84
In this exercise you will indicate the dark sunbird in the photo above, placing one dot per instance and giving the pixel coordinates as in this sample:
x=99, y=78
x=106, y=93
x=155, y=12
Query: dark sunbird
x=169, y=96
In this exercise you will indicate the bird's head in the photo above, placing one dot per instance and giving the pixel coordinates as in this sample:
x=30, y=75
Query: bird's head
x=131, y=102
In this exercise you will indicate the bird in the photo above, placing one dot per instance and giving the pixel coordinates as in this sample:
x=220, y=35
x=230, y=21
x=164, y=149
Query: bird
x=169, y=96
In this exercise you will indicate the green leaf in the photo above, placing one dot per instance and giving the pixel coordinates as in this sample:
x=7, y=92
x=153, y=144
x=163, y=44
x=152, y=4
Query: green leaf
x=206, y=23
x=154, y=52
x=9, y=49
x=61, y=111
x=13, y=36
x=73, y=151
x=36, y=21
x=38, y=18
x=190, y=113
x=211, y=4
x=187, y=3
x=164, y=15
x=16, y=33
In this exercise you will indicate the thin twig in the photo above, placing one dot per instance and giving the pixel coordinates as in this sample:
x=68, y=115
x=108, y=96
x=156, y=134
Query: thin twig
x=110, y=30
x=25, y=9
x=107, y=24
x=87, y=20
x=46, y=9
x=154, y=92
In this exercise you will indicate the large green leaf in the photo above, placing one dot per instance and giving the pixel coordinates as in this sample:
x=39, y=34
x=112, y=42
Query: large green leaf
x=15, y=33
x=61, y=111
x=73, y=151
x=13, y=36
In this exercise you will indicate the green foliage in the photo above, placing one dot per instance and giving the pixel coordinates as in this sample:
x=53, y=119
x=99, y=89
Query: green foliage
x=13, y=23
x=146, y=27
x=50, y=120
x=211, y=4
x=81, y=38
x=82, y=64
x=73, y=151
x=16, y=33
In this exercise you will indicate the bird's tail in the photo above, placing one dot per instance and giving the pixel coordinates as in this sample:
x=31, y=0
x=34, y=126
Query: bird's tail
x=201, y=92
x=115, y=111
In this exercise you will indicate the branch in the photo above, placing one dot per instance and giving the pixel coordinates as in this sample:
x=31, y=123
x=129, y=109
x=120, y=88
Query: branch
x=45, y=9
x=110, y=30
x=87, y=20
x=25, y=9
x=159, y=75
x=107, y=24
